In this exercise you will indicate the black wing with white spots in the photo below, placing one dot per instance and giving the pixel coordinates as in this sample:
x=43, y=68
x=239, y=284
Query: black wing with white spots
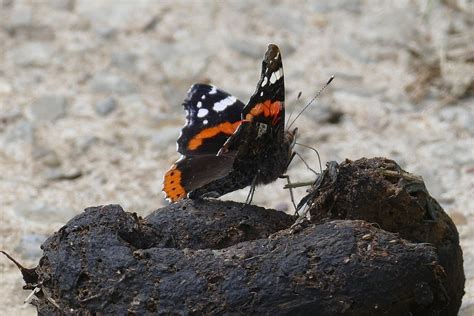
x=212, y=115
x=266, y=105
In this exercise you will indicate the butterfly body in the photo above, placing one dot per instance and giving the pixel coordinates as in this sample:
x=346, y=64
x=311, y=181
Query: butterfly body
x=227, y=145
x=254, y=164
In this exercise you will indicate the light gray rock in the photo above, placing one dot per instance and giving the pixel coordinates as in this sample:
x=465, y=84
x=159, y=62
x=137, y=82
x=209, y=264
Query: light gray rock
x=335, y=5
x=165, y=136
x=58, y=174
x=105, y=107
x=83, y=143
x=461, y=116
x=33, y=54
x=20, y=16
x=247, y=47
x=45, y=155
x=183, y=60
x=65, y=5
x=48, y=108
x=124, y=60
x=29, y=246
x=21, y=130
x=284, y=19
x=110, y=83
x=38, y=211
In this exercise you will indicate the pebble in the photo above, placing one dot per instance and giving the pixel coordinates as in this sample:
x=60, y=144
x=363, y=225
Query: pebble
x=247, y=47
x=164, y=136
x=105, y=107
x=21, y=16
x=48, y=108
x=5, y=87
x=65, y=5
x=38, y=211
x=21, y=130
x=83, y=143
x=183, y=60
x=124, y=60
x=285, y=19
x=334, y=5
x=34, y=54
x=57, y=174
x=110, y=83
x=458, y=218
x=29, y=246
x=46, y=155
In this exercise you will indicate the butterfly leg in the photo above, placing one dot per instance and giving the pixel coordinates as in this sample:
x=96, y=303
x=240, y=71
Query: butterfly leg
x=253, y=185
x=292, y=197
x=249, y=198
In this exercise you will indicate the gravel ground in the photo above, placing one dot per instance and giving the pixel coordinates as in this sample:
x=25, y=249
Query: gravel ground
x=91, y=92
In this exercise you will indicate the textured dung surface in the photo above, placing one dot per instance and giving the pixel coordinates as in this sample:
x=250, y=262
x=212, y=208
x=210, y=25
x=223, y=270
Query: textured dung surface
x=214, y=224
x=110, y=261
x=377, y=190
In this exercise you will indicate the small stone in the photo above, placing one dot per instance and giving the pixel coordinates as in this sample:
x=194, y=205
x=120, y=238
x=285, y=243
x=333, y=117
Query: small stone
x=105, y=107
x=5, y=87
x=83, y=143
x=458, y=218
x=247, y=47
x=19, y=131
x=106, y=32
x=109, y=83
x=65, y=5
x=47, y=156
x=183, y=60
x=164, y=137
x=29, y=246
x=56, y=174
x=282, y=206
x=124, y=60
x=41, y=212
x=49, y=108
x=285, y=19
x=20, y=16
x=31, y=54
x=353, y=6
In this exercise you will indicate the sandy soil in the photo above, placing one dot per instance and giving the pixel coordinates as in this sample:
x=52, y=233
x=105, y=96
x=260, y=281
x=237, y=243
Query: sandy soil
x=90, y=95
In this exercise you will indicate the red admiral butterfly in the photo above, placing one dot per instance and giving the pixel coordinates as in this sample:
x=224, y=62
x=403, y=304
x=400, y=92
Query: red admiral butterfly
x=226, y=145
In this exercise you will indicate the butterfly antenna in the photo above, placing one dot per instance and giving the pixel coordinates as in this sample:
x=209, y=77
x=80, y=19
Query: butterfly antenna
x=293, y=110
x=317, y=154
x=312, y=100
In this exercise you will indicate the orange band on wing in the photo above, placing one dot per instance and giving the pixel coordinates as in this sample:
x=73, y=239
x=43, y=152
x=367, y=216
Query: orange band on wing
x=172, y=185
x=268, y=109
x=226, y=128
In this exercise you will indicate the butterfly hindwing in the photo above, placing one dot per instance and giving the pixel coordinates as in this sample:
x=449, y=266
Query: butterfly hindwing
x=193, y=172
x=267, y=103
x=212, y=115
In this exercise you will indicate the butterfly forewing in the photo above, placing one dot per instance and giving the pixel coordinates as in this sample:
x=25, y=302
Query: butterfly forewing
x=212, y=115
x=267, y=103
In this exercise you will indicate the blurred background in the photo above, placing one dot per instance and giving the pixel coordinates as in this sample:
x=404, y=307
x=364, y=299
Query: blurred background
x=91, y=92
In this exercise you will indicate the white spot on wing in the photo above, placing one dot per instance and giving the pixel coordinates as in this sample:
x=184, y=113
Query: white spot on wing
x=213, y=90
x=199, y=104
x=223, y=104
x=276, y=75
x=261, y=93
x=264, y=81
x=273, y=78
x=203, y=97
x=202, y=112
x=205, y=122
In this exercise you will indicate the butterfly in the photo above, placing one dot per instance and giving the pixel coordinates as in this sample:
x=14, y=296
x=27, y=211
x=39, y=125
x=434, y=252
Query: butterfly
x=226, y=145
